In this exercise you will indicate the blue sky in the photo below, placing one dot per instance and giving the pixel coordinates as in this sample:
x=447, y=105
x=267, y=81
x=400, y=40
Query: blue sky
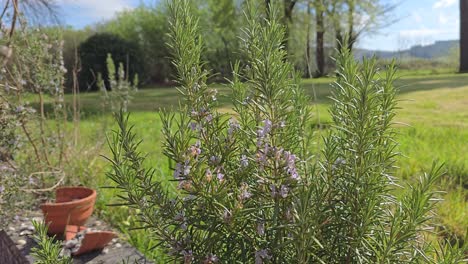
x=419, y=21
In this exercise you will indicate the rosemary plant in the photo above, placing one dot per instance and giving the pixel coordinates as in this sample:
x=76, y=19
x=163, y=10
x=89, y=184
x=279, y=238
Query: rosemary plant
x=248, y=189
x=47, y=251
x=120, y=89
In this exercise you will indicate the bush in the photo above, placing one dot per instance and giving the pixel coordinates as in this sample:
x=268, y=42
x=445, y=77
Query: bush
x=93, y=55
x=250, y=190
x=148, y=26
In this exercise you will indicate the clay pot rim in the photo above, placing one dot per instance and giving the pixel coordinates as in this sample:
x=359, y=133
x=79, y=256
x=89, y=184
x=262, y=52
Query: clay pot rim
x=102, y=233
x=85, y=199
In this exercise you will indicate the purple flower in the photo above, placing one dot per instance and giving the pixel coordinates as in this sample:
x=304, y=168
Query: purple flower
x=220, y=176
x=267, y=126
x=188, y=256
x=178, y=171
x=208, y=175
x=278, y=153
x=187, y=168
x=20, y=109
x=214, y=160
x=209, y=118
x=227, y=216
x=291, y=165
x=290, y=159
x=179, y=217
x=211, y=259
x=195, y=150
x=284, y=191
x=31, y=180
x=260, y=228
x=261, y=159
x=193, y=126
x=263, y=131
x=244, y=194
x=244, y=162
x=293, y=173
x=266, y=148
x=185, y=185
x=259, y=140
x=233, y=126
x=273, y=190
x=261, y=255
x=289, y=215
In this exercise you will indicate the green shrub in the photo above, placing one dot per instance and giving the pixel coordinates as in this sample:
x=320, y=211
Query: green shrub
x=121, y=89
x=250, y=190
x=47, y=251
x=93, y=55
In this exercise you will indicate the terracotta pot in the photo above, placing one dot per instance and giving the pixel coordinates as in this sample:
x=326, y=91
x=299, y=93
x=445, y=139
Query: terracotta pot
x=95, y=240
x=73, y=206
x=72, y=230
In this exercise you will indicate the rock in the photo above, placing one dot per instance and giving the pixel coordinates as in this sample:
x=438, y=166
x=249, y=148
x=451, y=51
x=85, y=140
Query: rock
x=105, y=251
x=12, y=229
x=71, y=243
x=21, y=242
x=76, y=248
x=27, y=227
x=97, y=223
x=114, y=240
x=118, y=245
x=25, y=233
x=65, y=252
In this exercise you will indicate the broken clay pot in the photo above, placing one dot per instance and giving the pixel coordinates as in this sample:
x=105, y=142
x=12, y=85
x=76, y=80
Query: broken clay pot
x=73, y=206
x=92, y=240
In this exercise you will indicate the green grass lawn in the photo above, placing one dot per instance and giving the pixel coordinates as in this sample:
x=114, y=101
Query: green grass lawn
x=435, y=107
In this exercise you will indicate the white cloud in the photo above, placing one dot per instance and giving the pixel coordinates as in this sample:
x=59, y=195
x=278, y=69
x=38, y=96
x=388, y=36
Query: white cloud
x=444, y=3
x=96, y=9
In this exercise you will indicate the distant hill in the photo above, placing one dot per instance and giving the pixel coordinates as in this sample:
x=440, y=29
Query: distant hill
x=433, y=51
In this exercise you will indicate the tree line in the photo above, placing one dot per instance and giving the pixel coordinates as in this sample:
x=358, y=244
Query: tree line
x=314, y=30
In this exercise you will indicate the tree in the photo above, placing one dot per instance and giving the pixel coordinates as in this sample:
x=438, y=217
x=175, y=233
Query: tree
x=463, y=35
x=320, y=34
x=352, y=18
x=222, y=20
x=93, y=53
x=147, y=27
